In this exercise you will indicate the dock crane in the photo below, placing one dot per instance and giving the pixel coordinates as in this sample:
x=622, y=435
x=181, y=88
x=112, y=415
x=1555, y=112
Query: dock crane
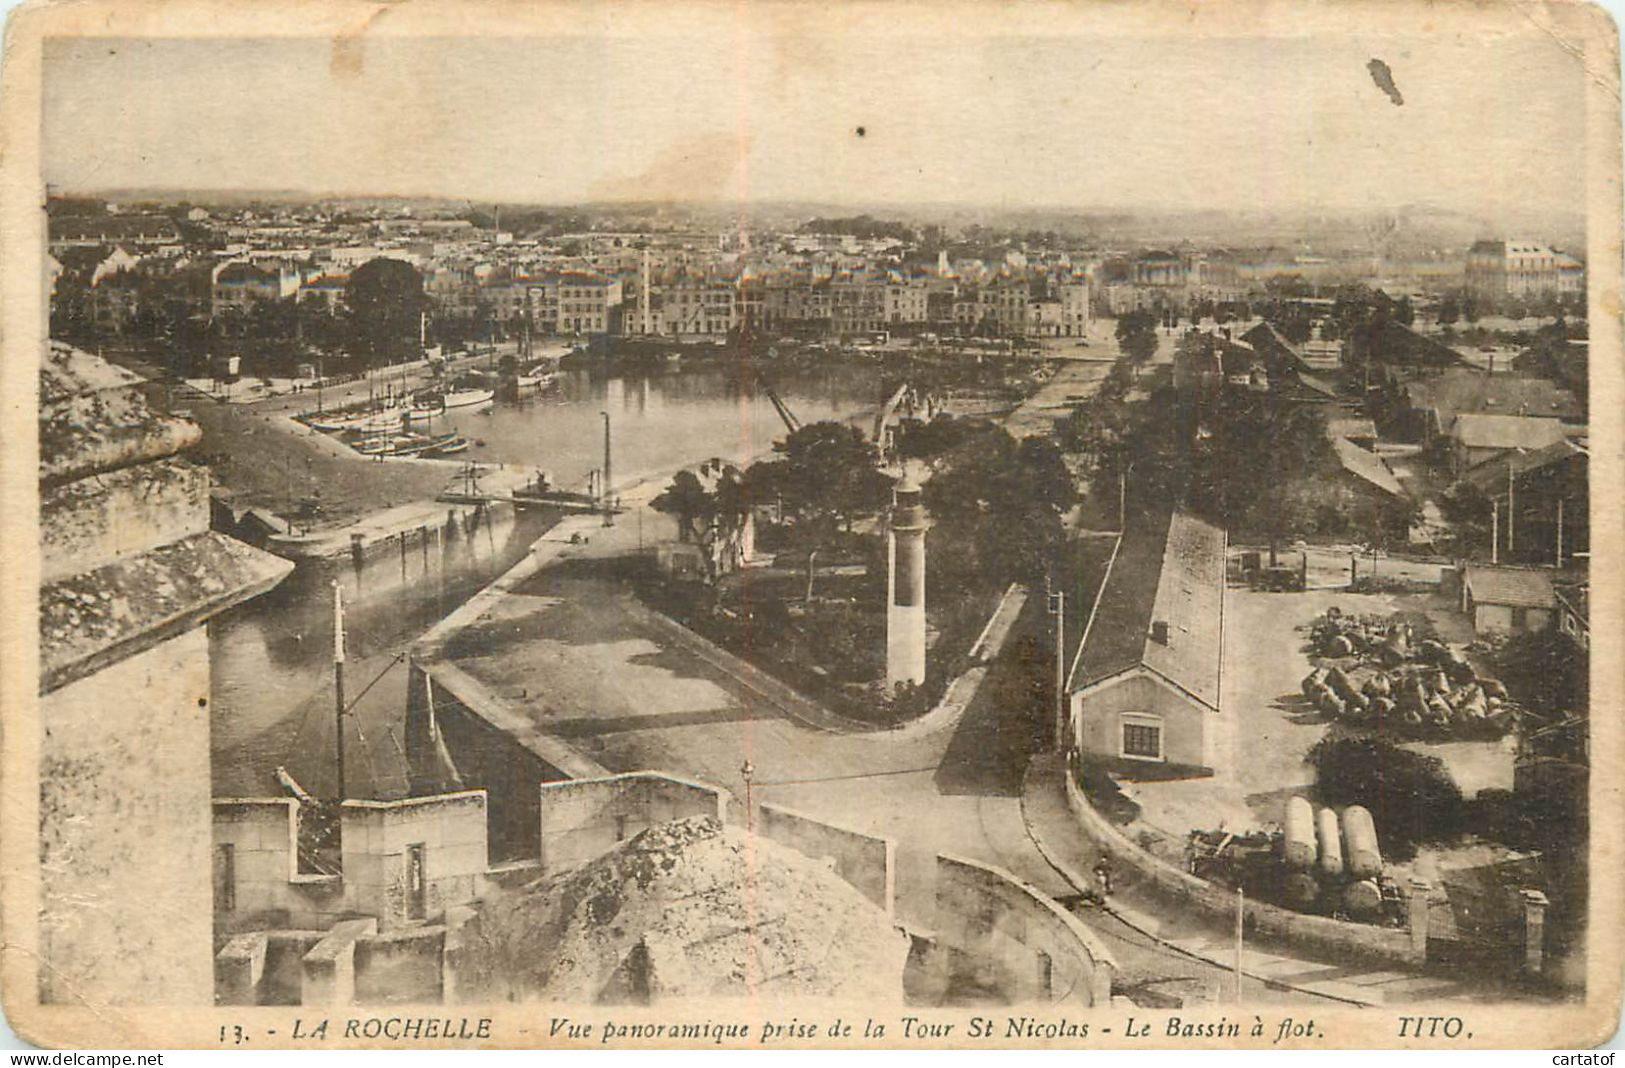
x=791, y=423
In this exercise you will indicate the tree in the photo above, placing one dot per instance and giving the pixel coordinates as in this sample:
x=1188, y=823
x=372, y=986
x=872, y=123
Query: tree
x=1545, y=670
x=1137, y=336
x=687, y=500
x=827, y=475
x=730, y=512
x=1295, y=329
x=385, y=300
x=1411, y=796
x=1150, y=447
x=996, y=506
x=1258, y=451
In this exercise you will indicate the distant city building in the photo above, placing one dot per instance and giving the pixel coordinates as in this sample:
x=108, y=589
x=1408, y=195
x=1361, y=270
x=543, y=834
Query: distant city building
x=89, y=231
x=114, y=300
x=1510, y=268
x=239, y=285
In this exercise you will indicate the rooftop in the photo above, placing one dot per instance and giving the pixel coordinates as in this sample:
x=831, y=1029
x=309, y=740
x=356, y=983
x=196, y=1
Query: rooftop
x=1367, y=466
x=1169, y=571
x=1477, y=430
x=1519, y=587
x=93, y=418
x=1491, y=475
x=1463, y=390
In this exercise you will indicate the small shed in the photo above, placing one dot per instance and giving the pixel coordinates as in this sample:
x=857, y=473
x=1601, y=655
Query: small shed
x=1508, y=600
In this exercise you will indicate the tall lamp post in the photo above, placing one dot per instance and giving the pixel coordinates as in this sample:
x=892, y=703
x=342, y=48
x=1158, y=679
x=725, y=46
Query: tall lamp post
x=609, y=514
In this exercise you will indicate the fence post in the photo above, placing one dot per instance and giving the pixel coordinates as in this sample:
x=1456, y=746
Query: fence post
x=1419, y=918
x=1534, y=930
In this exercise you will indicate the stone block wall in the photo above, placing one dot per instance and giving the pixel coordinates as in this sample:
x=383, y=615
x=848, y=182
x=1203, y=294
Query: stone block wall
x=996, y=933
x=377, y=835
x=124, y=857
x=268, y=891
x=92, y=522
x=1345, y=939
x=867, y=862
x=400, y=967
x=584, y=818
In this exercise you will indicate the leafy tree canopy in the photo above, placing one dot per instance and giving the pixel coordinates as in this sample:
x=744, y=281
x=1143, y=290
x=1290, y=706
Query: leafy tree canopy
x=1410, y=795
x=385, y=298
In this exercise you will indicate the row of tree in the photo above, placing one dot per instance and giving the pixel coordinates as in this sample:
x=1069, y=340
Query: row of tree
x=377, y=322
x=1250, y=461
x=995, y=503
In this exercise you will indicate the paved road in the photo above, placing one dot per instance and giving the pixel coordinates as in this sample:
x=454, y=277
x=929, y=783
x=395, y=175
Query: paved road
x=629, y=697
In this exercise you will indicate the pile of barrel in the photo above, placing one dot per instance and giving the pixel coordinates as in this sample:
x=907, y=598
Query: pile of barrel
x=1333, y=863
x=1390, y=640
x=1421, y=689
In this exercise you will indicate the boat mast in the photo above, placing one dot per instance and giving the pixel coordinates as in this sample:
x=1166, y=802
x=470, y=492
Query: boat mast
x=338, y=683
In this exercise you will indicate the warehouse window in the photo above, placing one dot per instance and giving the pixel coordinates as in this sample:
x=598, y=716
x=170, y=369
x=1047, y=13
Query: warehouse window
x=1142, y=737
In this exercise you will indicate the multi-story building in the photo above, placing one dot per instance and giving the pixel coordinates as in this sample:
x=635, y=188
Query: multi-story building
x=238, y=285
x=567, y=302
x=1571, y=275
x=114, y=300
x=698, y=304
x=857, y=305
x=506, y=297
x=1521, y=269
x=906, y=301
x=91, y=231
x=1159, y=267
x=327, y=289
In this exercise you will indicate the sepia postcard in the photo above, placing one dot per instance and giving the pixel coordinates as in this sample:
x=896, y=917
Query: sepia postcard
x=763, y=525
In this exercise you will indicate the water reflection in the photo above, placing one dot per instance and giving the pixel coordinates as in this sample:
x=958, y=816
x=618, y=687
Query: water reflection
x=659, y=420
x=272, y=658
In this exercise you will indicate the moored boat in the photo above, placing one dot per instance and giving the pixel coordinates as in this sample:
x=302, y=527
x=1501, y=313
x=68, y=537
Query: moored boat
x=365, y=422
x=446, y=445
x=393, y=445
x=469, y=398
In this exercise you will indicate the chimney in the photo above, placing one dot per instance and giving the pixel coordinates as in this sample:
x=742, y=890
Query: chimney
x=1159, y=632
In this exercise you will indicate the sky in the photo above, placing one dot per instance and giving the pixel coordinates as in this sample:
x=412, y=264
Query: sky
x=1489, y=124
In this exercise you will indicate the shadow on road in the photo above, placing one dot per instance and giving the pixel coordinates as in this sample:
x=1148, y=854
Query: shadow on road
x=1007, y=722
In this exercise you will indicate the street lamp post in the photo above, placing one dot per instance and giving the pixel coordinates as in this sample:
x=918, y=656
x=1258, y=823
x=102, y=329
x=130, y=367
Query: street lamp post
x=1057, y=608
